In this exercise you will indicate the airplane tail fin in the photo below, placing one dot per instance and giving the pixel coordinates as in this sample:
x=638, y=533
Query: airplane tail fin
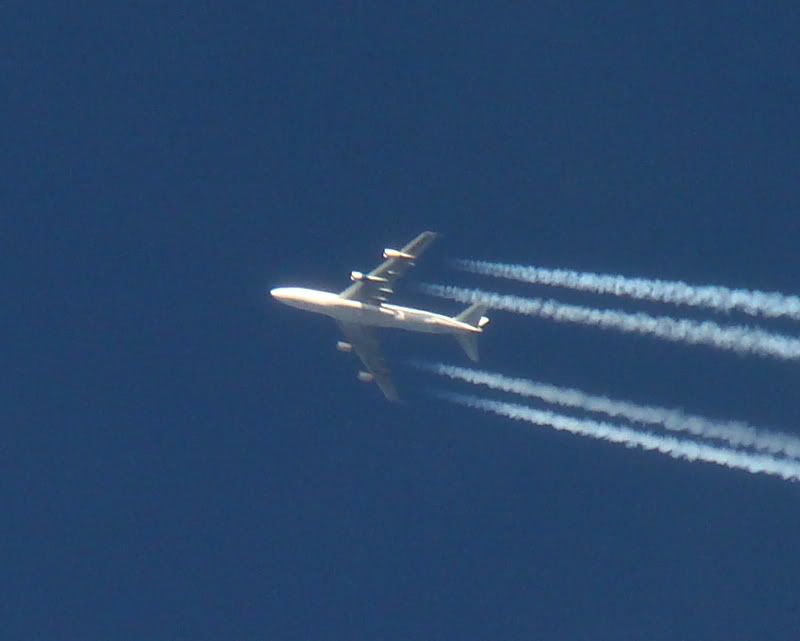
x=473, y=315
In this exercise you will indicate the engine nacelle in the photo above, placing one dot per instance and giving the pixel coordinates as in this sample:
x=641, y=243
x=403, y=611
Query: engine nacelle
x=359, y=276
x=394, y=253
x=342, y=346
x=365, y=377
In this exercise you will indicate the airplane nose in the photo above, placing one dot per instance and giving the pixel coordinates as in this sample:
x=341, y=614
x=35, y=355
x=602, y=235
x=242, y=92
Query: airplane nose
x=278, y=293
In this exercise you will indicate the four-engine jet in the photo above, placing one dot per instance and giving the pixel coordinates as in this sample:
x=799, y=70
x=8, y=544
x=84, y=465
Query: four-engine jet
x=363, y=305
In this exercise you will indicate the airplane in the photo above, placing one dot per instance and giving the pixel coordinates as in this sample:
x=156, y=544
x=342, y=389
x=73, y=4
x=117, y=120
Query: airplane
x=363, y=305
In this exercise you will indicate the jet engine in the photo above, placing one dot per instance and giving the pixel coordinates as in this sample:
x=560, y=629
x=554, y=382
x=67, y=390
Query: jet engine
x=365, y=377
x=357, y=276
x=342, y=346
x=394, y=253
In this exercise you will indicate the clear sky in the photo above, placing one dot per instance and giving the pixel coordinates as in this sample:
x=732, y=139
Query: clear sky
x=183, y=458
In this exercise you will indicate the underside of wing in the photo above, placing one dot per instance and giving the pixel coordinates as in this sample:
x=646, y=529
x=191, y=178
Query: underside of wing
x=366, y=345
x=378, y=285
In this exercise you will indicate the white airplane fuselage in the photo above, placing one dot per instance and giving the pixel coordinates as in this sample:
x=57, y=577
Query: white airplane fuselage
x=382, y=315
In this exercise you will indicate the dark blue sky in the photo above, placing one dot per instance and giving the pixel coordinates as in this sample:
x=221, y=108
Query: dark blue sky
x=184, y=459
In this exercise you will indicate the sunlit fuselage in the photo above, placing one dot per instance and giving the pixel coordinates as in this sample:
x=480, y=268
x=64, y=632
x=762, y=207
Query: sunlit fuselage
x=383, y=315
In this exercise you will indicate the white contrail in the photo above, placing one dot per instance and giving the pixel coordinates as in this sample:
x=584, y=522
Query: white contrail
x=740, y=339
x=676, y=448
x=735, y=433
x=724, y=299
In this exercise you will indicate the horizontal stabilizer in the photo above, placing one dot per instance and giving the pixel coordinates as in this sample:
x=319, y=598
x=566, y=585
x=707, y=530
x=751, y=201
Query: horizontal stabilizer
x=469, y=343
x=474, y=315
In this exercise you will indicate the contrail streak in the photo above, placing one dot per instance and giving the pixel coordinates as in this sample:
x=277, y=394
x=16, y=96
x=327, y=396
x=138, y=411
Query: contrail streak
x=723, y=299
x=739, y=339
x=676, y=448
x=735, y=433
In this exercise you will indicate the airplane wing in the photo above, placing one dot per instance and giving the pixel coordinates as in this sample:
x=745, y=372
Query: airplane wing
x=378, y=285
x=365, y=343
